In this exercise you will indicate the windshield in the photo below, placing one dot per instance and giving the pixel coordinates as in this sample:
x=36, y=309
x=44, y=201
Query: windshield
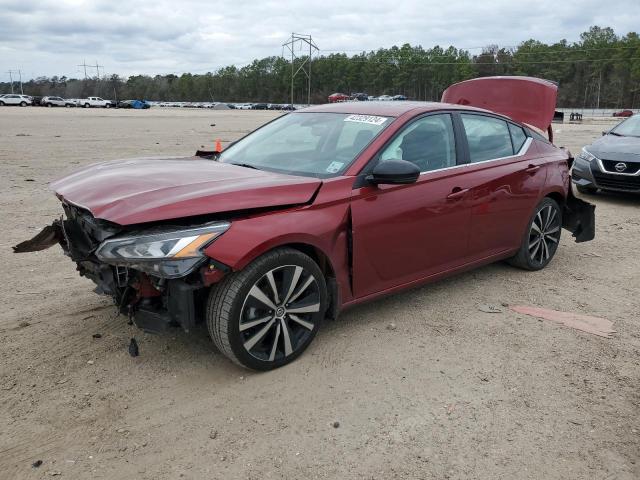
x=310, y=144
x=629, y=128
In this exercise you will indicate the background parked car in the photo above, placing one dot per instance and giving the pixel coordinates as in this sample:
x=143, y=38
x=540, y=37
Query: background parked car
x=361, y=97
x=338, y=97
x=398, y=97
x=56, y=102
x=611, y=162
x=137, y=104
x=95, y=102
x=260, y=106
x=15, y=99
x=623, y=113
x=385, y=98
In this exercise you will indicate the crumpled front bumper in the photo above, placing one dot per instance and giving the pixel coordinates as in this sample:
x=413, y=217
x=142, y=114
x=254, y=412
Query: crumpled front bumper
x=153, y=304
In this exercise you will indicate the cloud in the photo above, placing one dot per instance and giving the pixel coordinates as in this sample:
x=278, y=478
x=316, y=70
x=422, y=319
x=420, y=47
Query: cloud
x=47, y=37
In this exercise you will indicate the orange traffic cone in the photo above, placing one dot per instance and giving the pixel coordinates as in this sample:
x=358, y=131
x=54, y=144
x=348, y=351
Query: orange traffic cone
x=218, y=145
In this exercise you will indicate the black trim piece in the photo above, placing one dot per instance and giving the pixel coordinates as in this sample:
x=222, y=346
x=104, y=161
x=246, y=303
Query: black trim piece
x=462, y=145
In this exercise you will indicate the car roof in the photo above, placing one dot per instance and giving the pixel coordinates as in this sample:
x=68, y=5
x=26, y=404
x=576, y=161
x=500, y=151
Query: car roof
x=387, y=109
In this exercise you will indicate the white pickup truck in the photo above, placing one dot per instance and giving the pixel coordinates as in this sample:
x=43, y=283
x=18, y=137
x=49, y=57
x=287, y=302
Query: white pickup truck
x=94, y=102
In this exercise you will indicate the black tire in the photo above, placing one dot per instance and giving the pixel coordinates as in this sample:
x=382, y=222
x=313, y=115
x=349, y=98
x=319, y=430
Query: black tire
x=49, y=105
x=542, y=237
x=1, y=103
x=108, y=105
x=586, y=190
x=260, y=344
x=86, y=105
x=23, y=104
x=67, y=105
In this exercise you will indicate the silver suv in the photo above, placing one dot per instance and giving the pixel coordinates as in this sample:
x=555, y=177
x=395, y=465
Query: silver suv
x=14, y=99
x=56, y=102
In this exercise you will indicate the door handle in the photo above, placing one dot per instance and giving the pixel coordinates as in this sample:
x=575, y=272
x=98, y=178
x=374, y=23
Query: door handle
x=532, y=168
x=456, y=193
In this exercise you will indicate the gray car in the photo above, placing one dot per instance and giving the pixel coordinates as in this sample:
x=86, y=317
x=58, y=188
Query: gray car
x=611, y=162
x=56, y=102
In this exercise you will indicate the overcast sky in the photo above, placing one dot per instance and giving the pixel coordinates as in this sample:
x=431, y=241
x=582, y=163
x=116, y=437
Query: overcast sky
x=51, y=37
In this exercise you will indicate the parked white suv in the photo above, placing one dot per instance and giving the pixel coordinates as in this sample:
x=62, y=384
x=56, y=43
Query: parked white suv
x=14, y=99
x=56, y=102
x=95, y=102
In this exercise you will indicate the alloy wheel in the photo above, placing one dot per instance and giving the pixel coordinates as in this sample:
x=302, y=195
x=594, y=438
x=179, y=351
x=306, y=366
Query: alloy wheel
x=279, y=313
x=544, y=234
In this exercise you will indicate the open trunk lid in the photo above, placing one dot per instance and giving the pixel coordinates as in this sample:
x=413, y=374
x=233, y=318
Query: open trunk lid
x=527, y=100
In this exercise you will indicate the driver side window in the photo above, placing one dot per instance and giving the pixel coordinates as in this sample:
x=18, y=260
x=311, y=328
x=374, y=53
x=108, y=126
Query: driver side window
x=428, y=142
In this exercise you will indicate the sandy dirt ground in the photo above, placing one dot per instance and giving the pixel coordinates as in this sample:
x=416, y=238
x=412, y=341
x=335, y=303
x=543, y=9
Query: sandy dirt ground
x=450, y=393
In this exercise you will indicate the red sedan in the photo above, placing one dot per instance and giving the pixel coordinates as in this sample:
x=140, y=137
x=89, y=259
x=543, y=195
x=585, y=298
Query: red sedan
x=338, y=97
x=322, y=209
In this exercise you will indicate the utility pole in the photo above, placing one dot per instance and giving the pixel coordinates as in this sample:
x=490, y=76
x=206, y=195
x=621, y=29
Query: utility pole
x=10, y=79
x=21, y=91
x=301, y=41
x=599, y=84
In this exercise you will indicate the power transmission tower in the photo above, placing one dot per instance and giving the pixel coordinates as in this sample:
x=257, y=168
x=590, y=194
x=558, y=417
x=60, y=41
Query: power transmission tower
x=84, y=64
x=98, y=67
x=10, y=72
x=19, y=72
x=301, y=41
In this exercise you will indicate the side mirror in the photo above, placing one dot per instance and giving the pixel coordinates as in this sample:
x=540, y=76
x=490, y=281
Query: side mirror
x=394, y=172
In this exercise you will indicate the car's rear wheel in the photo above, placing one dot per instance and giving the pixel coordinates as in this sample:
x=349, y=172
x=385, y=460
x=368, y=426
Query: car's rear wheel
x=1, y=104
x=266, y=315
x=542, y=238
x=108, y=105
x=86, y=105
x=587, y=190
x=23, y=104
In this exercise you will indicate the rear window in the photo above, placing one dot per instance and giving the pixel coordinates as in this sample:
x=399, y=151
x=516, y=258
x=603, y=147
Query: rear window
x=518, y=137
x=488, y=137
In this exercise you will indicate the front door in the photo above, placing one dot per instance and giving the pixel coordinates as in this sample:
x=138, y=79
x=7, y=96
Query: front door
x=403, y=233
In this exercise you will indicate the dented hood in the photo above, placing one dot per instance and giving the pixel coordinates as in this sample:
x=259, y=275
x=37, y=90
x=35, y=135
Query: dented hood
x=527, y=100
x=145, y=190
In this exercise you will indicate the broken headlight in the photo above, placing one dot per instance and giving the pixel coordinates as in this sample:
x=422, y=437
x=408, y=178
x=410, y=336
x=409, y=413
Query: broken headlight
x=166, y=254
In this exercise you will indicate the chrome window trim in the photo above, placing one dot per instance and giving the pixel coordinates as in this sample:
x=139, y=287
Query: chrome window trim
x=604, y=170
x=521, y=152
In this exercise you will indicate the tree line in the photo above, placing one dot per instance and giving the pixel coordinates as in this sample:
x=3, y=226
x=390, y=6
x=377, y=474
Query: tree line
x=602, y=70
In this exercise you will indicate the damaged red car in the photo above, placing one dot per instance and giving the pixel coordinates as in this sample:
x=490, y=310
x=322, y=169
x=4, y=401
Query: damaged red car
x=322, y=209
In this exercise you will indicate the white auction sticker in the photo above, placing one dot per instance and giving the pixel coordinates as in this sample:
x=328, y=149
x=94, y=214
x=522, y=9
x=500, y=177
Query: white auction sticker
x=334, y=167
x=370, y=119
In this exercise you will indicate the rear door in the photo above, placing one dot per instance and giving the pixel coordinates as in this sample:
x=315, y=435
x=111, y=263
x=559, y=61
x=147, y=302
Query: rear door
x=507, y=177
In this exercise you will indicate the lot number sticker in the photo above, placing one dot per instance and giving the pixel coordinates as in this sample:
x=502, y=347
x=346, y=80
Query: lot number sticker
x=334, y=167
x=370, y=119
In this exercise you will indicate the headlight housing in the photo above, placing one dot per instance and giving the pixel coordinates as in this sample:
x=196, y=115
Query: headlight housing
x=166, y=254
x=586, y=155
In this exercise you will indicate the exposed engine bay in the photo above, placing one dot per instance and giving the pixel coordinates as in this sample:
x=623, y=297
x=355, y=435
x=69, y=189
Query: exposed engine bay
x=152, y=302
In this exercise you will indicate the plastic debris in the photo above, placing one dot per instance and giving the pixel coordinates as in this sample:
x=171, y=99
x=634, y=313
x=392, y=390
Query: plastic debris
x=585, y=323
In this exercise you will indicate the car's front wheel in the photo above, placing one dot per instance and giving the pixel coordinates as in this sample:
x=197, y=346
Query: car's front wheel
x=266, y=315
x=23, y=104
x=108, y=105
x=542, y=237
